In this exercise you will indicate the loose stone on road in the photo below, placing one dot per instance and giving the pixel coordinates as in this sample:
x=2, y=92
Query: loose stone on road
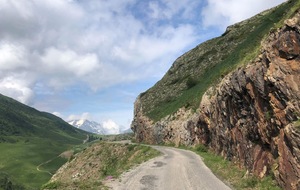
x=176, y=170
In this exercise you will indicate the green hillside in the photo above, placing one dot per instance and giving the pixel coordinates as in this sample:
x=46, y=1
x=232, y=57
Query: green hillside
x=195, y=71
x=28, y=138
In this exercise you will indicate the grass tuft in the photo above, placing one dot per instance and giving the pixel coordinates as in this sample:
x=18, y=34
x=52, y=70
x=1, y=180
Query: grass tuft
x=102, y=160
x=233, y=174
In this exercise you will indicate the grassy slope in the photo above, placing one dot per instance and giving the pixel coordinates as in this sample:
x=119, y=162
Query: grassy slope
x=101, y=160
x=28, y=138
x=194, y=72
x=236, y=176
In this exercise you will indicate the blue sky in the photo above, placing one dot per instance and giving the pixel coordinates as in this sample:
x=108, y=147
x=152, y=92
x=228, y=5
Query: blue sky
x=91, y=59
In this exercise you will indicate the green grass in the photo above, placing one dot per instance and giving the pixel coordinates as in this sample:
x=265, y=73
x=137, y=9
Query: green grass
x=19, y=160
x=82, y=185
x=297, y=124
x=114, y=159
x=231, y=173
x=53, y=164
x=7, y=183
x=28, y=138
x=114, y=165
x=248, y=43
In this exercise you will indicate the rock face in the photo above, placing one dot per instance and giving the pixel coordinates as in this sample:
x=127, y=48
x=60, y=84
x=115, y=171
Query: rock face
x=252, y=116
x=175, y=129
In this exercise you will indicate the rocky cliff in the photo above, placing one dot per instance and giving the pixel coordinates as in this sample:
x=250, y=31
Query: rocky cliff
x=252, y=116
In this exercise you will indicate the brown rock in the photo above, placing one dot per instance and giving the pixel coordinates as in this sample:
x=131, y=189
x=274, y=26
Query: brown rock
x=250, y=116
x=252, y=121
x=289, y=169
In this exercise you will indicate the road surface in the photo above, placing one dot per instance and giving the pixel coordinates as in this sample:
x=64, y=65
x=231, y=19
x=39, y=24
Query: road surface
x=44, y=163
x=176, y=170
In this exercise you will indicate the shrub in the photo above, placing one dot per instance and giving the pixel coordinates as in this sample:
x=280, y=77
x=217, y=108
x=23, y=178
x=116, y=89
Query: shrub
x=191, y=82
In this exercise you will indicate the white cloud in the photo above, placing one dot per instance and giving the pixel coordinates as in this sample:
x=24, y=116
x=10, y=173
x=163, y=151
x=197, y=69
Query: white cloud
x=12, y=57
x=121, y=117
x=16, y=88
x=58, y=114
x=34, y=19
x=82, y=116
x=65, y=67
x=111, y=127
x=222, y=13
x=51, y=48
x=97, y=43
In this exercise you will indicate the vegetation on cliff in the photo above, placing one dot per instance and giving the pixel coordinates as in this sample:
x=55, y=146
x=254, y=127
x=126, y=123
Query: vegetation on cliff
x=195, y=71
x=231, y=173
x=247, y=97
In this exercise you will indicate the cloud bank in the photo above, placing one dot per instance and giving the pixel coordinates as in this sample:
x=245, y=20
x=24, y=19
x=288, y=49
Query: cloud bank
x=67, y=56
x=98, y=43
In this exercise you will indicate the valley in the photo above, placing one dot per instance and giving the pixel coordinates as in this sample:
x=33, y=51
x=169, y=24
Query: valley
x=28, y=138
x=35, y=145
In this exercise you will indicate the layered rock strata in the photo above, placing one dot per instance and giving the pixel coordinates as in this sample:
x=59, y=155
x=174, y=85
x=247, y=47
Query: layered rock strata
x=252, y=116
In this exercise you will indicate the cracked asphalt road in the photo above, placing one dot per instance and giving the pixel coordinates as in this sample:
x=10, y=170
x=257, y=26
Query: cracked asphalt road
x=176, y=169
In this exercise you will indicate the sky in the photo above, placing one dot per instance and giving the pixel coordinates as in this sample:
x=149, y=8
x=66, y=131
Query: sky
x=90, y=59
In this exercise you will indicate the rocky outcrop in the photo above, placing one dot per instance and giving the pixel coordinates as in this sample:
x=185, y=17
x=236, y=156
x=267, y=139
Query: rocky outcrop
x=175, y=129
x=252, y=116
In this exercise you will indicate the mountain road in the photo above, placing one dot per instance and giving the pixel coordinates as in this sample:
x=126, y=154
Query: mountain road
x=176, y=169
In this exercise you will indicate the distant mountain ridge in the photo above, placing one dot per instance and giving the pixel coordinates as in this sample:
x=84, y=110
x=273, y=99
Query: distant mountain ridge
x=86, y=125
x=106, y=128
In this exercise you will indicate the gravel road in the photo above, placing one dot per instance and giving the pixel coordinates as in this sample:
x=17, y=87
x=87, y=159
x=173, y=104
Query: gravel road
x=176, y=170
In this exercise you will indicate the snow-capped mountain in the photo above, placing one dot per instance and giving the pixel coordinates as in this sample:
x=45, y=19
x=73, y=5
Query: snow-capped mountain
x=90, y=126
x=106, y=128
